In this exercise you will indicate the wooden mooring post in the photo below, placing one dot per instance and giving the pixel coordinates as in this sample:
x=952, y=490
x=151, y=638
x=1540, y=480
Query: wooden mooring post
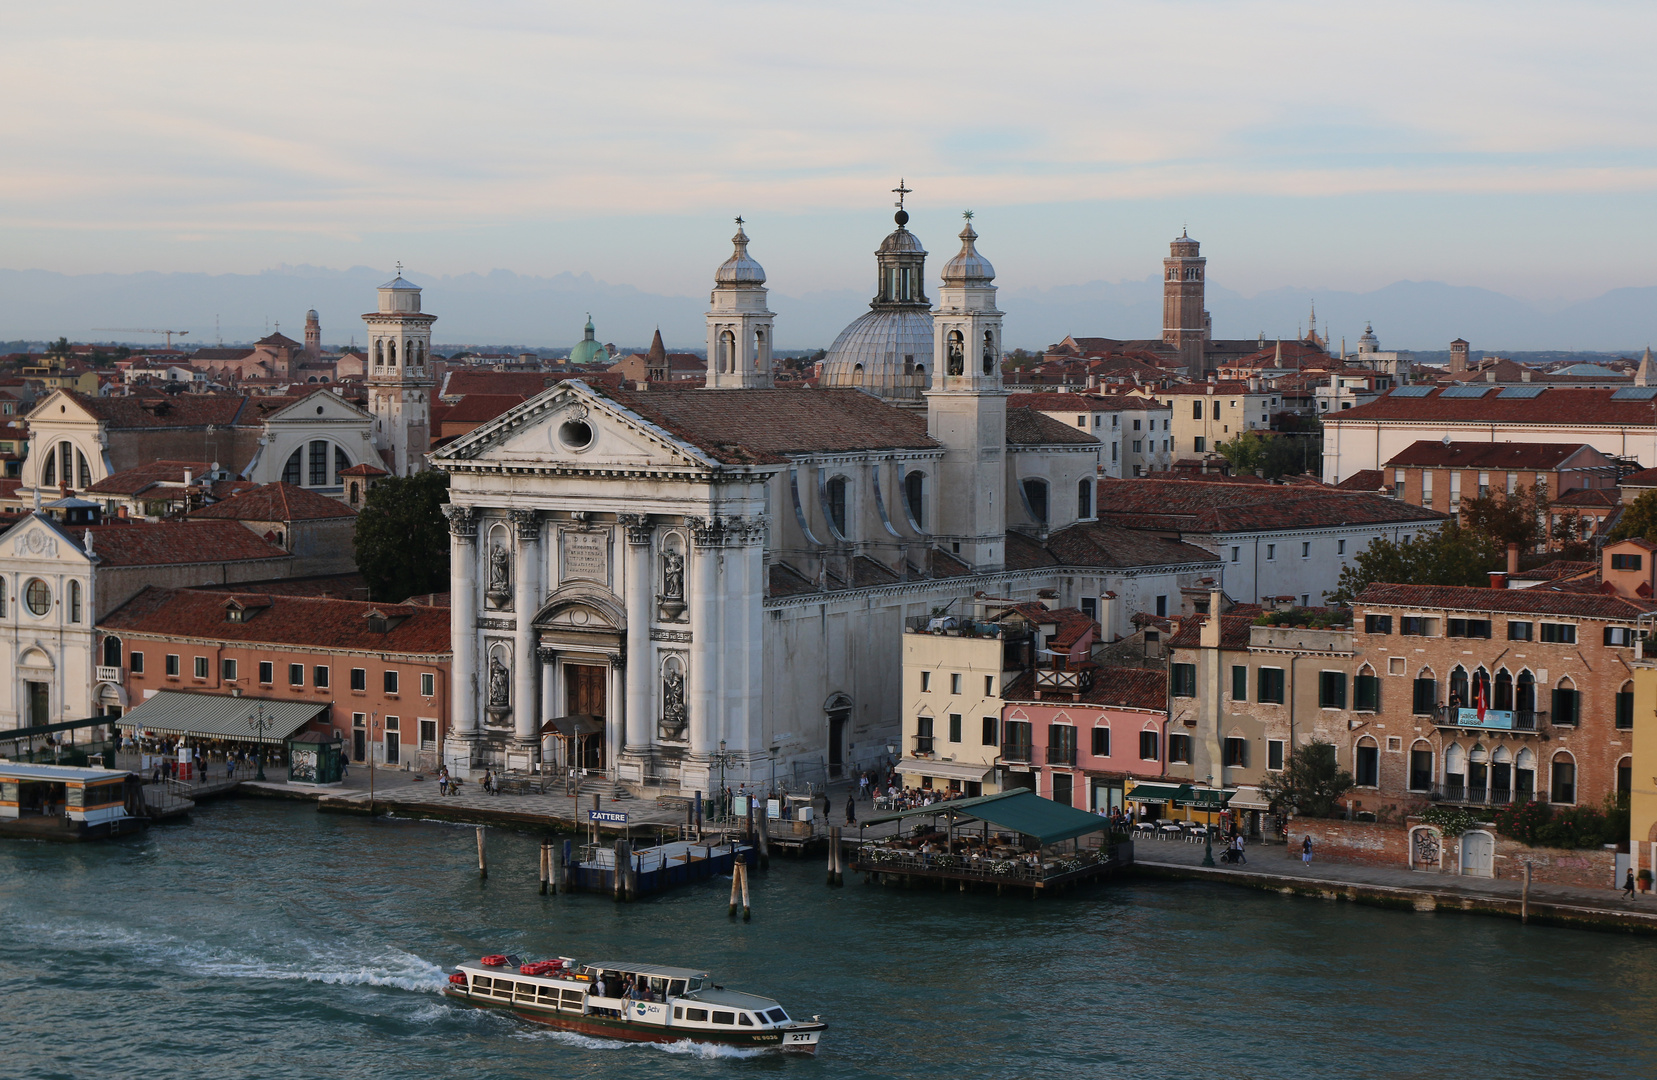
x=563, y=855
x=739, y=889
x=483, y=862
x=836, y=864
x=1524, y=897
x=624, y=863
x=546, y=866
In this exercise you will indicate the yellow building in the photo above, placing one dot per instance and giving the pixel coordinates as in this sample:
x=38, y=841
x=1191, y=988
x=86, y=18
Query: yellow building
x=952, y=680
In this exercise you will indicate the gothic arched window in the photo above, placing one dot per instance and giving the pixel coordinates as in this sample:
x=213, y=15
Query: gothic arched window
x=989, y=352
x=1084, y=498
x=836, y=499
x=391, y=353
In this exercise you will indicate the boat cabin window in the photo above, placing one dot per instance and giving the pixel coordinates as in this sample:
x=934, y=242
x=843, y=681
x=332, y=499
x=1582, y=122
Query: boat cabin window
x=777, y=1016
x=572, y=999
x=691, y=987
x=482, y=982
x=658, y=988
x=676, y=988
x=695, y=1014
x=549, y=995
x=678, y=1014
x=744, y=1019
x=728, y=1019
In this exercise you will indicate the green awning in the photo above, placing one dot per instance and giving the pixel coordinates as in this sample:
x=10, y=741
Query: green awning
x=217, y=716
x=1021, y=811
x=1150, y=793
x=1206, y=798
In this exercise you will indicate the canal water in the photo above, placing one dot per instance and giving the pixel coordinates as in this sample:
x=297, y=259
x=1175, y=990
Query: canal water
x=265, y=940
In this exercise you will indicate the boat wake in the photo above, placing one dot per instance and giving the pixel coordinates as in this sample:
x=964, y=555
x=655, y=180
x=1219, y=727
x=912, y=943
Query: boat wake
x=709, y=1050
x=685, y=1047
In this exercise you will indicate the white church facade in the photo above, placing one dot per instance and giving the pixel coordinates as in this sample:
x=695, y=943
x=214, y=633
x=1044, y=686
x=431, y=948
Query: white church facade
x=720, y=577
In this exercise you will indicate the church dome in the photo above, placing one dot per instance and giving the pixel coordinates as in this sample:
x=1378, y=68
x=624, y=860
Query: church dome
x=740, y=268
x=1369, y=342
x=886, y=352
x=968, y=266
x=587, y=349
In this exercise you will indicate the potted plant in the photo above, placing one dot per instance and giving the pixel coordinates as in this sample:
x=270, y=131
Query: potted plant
x=1644, y=880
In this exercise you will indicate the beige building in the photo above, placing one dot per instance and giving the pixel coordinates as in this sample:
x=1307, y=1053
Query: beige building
x=952, y=681
x=1207, y=414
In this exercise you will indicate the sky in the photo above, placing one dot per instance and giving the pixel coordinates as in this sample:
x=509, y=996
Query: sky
x=1510, y=146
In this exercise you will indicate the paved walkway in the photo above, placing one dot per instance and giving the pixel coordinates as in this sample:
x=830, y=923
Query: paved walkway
x=1274, y=861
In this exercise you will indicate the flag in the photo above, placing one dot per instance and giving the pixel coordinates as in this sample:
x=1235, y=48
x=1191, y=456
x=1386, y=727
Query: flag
x=1478, y=697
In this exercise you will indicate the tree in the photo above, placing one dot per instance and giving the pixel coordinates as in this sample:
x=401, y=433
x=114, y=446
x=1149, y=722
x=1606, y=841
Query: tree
x=60, y=347
x=1269, y=454
x=1574, y=536
x=1311, y=782
x=1517, y=518
x=1639, y=519
x=1447, y=555
x=403, y=538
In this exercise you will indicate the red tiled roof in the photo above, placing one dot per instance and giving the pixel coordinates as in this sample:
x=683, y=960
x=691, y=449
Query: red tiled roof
x=141, y=477
x=276, y=502
x=1536, y=600
x=1208, y=506
x=179, y=410
x=1056, y=402
x=1027, y=427
x=1597, y=497
x=173, y=543
x=1234, y=632
x=364, y=469
x=288, y=620
x=1554, y=405
x=763, y=426
x=480, y=408
x=1098, y=544
x=1642, y=479
x=1364, y=480
x=1553, y=571
x=1202, y=388
x=1434, y=454
x=522, y=384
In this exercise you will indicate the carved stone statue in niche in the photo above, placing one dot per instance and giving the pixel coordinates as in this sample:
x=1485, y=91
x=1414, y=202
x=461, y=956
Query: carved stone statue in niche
x=674, y=717
x=500, y=688
x=500, y=575
x=673, y=585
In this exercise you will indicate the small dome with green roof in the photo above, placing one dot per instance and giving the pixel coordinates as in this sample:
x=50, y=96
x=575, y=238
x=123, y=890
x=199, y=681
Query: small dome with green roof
x=588, y=350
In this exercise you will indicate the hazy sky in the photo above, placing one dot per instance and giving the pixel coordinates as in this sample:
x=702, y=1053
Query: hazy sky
x=1509, y=145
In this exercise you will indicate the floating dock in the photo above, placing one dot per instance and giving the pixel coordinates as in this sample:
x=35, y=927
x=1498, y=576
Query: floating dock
x=657, y=868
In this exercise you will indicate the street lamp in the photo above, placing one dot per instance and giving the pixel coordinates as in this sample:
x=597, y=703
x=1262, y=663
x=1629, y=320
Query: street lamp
x=724, y=803
x=373, y=741
x=1208, y=833
x=260, y=723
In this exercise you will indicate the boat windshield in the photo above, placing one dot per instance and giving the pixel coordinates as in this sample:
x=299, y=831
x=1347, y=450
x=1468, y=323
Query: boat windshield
x=693, y=986
x=777, y=1016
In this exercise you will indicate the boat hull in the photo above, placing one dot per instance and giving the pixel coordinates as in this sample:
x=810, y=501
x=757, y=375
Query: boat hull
x=797, y=1039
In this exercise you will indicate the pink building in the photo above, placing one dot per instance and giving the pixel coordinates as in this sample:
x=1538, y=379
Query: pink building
x=1086, y=730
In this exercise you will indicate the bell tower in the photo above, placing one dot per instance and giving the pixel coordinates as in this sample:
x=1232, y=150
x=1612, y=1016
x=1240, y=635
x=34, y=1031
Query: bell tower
x=967, y=410
x=400, y=376
x=739, y=323
x=1184, y=321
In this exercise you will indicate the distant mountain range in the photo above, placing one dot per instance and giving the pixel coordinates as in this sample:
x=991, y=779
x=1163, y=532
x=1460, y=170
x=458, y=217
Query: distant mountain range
x=502, y=307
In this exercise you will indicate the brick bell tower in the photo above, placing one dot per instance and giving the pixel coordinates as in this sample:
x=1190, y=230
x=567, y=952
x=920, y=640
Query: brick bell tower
x=1184, y=319
x=400, y=376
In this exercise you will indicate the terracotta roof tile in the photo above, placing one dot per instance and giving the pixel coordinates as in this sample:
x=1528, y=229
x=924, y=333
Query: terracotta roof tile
x=1208, y=506
x=1536, y=600
x=1109, y=545
x=1027, y=427
x=1581, y=406
x=288, y=620
x=276, y=502
x=1434, y=454
x=178, y=410
x=1364, y=480
x=1234, y=632
x=143, y=477
x=171, y=543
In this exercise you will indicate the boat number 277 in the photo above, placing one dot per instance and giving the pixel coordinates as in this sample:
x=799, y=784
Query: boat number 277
x=799, y=1038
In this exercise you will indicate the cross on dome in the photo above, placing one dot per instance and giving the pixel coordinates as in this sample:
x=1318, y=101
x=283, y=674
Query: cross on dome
x=901, y=191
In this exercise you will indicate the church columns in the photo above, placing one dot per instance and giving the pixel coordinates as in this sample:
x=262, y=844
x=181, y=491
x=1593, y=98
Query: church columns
x=526, y=720
x=463, y=690
x=704, y=633
x=742, y=689
x=639, y=586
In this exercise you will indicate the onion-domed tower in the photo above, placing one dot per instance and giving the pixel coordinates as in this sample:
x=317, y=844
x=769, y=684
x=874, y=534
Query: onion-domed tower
x=888, y=351
x=967, y=410
x=739, y=324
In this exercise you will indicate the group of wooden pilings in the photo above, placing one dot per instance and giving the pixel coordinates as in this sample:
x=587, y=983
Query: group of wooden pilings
x=836, y=858
x=554, y=868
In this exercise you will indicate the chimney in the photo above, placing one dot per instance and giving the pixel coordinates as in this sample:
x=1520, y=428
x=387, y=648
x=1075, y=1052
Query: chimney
x=1208, y=635
x=189, y=474
x=1513, y=558
x=1498, y=579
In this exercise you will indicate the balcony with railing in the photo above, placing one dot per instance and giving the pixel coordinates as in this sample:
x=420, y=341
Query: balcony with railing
x=1479, y=796
x=1062, y=754
x=923, y=745
x=1059, y=681
x=109, y=674
x=1528, y=720
x=1021, y=753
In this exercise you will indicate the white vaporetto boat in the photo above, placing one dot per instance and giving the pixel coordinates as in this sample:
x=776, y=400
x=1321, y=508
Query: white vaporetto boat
x=634, y=1002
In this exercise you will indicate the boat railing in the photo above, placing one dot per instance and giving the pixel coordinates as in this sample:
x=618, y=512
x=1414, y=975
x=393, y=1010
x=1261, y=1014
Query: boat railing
x=988, y=867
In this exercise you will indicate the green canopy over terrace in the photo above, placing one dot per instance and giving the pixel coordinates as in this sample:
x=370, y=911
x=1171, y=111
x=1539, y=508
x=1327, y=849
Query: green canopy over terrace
x=1021, y=811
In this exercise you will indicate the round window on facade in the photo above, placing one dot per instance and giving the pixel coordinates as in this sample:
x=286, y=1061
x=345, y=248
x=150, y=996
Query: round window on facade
x=575, y=434
x=38, y=596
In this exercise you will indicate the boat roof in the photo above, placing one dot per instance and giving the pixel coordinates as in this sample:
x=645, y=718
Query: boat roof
x=653, y=970
x=61, y=773
x=736, y=999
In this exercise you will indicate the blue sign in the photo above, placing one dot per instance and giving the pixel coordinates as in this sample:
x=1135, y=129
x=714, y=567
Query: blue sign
x=1500, y=719
x=609, y=817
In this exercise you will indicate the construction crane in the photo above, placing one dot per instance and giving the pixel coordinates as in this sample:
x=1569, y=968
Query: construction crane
x=130, y=330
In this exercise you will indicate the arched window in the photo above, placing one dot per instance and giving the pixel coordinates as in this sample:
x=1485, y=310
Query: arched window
x=1478, y=774
x=112, y=651
x=391, y=354
x=290, y=471
x=1481, y=685
x=49, y=472
x=74, y=601
x=1084, y=498
x=1035, y=499
x=1455, y=772
x=1567, y=704
x=318, y=451
x=989, y=352
x=1421, y=765
x=1501, y=776
x=727, y=351
x=857, y=375
x=762, y=355
x=341, y=462
x=66, y=466
x=957, y=353
x=379, y=353
x=835, y=491
x=1366, y=763
x=353, y=493
x=82, y=471
x=1524, y=698
x=1458, y=688
x=914, y=497
x=1524, y=776
x=1562, y=778
x=1503, y=695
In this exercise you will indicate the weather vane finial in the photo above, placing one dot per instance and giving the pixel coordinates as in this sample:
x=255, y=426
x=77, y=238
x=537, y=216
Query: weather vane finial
x=739, y=221
x=399, y=267
x=967, y=214
x=900, y=191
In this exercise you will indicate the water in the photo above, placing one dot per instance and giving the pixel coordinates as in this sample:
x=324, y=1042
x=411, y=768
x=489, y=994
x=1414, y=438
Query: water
x=265, y=940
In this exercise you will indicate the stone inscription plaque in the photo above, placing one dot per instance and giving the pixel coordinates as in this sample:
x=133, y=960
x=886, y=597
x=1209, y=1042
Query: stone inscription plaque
x=587, y=555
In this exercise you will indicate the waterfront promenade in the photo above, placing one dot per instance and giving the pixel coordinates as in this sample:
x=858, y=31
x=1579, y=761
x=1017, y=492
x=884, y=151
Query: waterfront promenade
x=1274, y=867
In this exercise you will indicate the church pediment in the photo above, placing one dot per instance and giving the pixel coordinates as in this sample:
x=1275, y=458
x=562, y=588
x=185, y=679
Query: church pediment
x=37, y=537
x=323, y=405
x=569, y=427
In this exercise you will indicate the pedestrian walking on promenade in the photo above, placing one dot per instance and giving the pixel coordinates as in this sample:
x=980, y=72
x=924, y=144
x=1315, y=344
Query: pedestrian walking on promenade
x=1306, y=851
x=1628, y=884
x=851, y=811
